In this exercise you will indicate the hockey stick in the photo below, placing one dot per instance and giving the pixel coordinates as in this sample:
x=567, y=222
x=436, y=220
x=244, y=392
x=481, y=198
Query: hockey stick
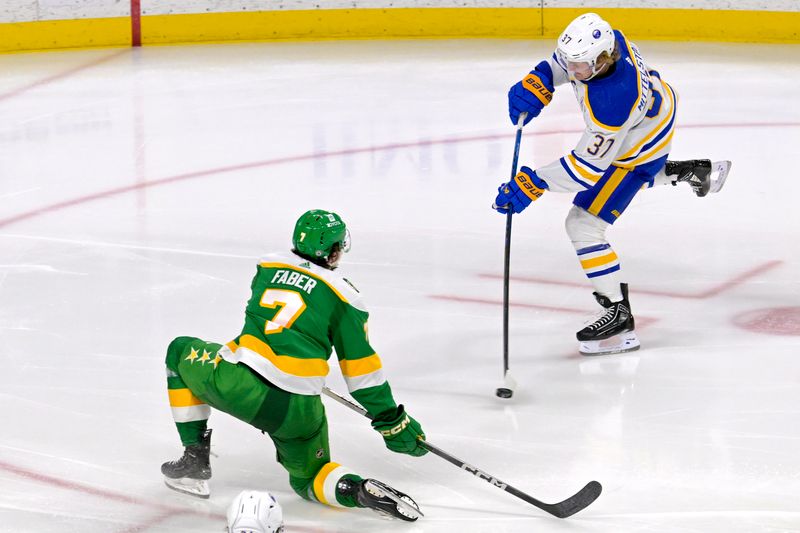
x=568, y=507
x=509, y=384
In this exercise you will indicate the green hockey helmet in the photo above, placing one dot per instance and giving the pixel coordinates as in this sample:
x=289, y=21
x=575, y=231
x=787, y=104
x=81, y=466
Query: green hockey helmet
x=317, y=232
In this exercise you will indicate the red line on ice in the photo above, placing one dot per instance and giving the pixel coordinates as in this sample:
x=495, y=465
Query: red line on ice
x=93, y=491
x=222, y=170
x=61, y=75
x=304, y=157
x=466, y=299
x=641, y=322
x=168, y=510
x=701, y=295
x=144, y=526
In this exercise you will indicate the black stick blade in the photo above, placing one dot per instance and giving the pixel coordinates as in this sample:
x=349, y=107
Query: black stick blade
x=576, y=503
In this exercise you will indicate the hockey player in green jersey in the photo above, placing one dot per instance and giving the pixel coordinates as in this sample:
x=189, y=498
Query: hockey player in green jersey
x=271, y=376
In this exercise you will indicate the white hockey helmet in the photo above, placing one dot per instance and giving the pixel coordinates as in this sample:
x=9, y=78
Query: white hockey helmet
x=582, y=42
x=255, y=512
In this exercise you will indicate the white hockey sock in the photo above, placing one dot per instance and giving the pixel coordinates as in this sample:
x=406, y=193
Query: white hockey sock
x=601, y=266
x=324, y=484
x=598, y=260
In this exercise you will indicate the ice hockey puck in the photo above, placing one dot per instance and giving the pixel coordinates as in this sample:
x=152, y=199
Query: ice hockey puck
x=503, y=392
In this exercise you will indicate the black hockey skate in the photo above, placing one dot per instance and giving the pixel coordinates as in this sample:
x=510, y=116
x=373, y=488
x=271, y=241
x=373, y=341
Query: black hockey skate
x=381, y=498
x=695, y=172
x=190, y=473
x=614, y=331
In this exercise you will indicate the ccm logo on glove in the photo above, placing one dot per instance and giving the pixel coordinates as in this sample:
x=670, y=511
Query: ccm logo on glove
x=534, y=84
x=397, y=429
x=400, y=432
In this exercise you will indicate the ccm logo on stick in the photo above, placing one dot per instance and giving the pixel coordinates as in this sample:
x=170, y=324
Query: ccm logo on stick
x=483, y=475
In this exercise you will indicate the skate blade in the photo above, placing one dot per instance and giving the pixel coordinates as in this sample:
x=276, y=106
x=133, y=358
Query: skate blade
x=624, y=342
x=193, y=487
x=405, y=505
x=719, y=173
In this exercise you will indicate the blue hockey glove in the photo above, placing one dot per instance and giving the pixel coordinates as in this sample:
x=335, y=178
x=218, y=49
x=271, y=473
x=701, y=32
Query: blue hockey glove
x=400, y=432
x=526, y=187
x=531, y=94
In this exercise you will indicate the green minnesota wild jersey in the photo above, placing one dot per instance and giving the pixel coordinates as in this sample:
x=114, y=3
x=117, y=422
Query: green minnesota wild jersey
x=297, y=314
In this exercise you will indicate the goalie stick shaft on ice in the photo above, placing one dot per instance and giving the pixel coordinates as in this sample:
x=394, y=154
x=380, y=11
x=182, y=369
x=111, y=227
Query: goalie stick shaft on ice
x=575, y=503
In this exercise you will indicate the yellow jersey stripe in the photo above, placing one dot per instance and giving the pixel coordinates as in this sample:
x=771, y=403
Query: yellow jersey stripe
x=582, y=171
x=183, y=398
x=295, y=366
x=610, y=186
x=643, y=158
x=358, y=367
x=599, y=261
x=307, y=273
x=658, y=128
x=319, y=481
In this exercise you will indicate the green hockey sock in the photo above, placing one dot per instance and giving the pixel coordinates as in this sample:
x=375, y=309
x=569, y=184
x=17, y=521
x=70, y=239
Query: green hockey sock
x=190, y=432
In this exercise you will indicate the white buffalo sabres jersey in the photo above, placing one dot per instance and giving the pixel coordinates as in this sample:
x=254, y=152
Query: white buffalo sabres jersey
x=629, y=116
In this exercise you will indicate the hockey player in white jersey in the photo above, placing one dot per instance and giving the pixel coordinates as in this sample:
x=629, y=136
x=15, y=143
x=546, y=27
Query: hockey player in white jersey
x=629, y=111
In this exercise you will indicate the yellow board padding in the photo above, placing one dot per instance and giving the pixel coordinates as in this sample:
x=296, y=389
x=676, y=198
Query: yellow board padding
x=343, y=24
x=526, y=23
x=318, y=24
x=79, y=33
x=686, y=24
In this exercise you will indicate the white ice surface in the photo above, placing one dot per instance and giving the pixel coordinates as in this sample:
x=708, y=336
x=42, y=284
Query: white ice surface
x=137, y=189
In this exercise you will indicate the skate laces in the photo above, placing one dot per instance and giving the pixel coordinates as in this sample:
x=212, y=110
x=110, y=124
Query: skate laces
x=604, y=318
x=597, y=317
x=607, y=316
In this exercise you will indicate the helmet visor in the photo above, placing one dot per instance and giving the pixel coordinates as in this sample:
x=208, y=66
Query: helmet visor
x=580, y=70
x=577, y=70
x=346, y=241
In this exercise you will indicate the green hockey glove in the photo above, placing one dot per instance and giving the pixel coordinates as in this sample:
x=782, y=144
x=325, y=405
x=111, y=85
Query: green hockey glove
x=400, y=432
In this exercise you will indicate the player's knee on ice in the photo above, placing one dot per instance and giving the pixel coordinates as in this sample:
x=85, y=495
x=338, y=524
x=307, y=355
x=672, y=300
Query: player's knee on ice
x=304, y=487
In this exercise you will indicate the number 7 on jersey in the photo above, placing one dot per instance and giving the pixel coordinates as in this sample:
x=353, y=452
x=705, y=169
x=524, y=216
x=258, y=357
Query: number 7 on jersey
x=291, y=307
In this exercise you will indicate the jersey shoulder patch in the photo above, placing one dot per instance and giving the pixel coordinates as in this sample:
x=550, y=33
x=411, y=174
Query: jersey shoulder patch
x=612, y=99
